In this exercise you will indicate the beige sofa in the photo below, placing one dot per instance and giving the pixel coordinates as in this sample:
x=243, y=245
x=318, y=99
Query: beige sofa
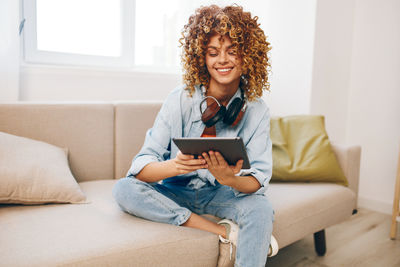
x=102, y=139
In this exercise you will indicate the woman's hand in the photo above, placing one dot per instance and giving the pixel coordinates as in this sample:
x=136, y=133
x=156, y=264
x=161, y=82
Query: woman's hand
x=187, y=163
x=218, y=167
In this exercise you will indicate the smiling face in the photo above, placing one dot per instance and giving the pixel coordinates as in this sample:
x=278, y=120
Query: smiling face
x=223, y=64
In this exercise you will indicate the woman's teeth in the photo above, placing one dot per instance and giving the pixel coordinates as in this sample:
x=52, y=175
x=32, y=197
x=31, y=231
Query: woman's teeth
x=224, y=70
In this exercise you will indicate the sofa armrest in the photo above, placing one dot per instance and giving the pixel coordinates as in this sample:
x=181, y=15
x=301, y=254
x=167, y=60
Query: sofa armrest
x=349, y=158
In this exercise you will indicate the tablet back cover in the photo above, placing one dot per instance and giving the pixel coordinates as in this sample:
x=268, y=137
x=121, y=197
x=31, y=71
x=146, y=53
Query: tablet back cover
x=231, y=148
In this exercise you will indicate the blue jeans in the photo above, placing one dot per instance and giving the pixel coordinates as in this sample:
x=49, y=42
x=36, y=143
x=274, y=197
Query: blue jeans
x=173, y=203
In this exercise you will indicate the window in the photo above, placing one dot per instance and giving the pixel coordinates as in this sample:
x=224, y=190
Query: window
x=107, y=33
x=79, y=32
x=65, y=26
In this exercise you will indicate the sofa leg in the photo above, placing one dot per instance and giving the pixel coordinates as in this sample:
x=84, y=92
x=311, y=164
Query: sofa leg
x=320, y=243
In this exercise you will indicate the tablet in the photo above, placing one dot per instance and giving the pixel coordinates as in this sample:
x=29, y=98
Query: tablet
x=231, y=148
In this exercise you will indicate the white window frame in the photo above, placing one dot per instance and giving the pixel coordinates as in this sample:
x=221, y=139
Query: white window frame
x=33, y=55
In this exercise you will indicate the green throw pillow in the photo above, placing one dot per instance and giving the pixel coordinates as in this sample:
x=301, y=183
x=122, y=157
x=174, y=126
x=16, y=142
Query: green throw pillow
x=301, y=151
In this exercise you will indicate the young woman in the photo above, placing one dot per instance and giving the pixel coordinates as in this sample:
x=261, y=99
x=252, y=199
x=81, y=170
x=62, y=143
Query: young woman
x=226, y=69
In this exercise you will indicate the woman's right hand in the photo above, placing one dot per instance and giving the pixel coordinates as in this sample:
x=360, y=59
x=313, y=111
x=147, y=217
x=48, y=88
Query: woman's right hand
x=187, y=163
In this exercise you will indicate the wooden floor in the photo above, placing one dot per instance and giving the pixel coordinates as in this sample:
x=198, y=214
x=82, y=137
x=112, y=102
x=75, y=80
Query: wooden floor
x=363, y=240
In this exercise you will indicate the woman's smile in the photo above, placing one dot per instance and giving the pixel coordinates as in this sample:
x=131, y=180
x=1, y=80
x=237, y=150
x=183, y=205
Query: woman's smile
x=224, y=71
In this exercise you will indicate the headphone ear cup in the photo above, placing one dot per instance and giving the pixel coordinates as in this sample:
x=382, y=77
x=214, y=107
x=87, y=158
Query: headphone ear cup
x=233, y=111
x=213, y=114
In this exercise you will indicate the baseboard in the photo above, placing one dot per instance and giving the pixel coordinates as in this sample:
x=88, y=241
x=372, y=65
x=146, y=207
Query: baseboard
x=375, y=205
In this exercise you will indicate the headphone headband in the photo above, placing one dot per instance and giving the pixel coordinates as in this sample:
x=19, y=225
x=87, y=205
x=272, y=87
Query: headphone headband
x=205, y=98
x=213, y=113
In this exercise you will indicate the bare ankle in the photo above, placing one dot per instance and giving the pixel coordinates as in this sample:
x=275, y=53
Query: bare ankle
x=198, y=222
x=223, y=231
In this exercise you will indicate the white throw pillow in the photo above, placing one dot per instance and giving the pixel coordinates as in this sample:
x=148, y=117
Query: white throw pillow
x=35, y=172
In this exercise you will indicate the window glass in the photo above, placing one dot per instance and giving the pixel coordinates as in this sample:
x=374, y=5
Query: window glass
x=89, y=27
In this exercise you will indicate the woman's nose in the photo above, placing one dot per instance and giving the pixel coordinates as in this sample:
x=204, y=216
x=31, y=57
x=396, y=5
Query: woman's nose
x=223, y=58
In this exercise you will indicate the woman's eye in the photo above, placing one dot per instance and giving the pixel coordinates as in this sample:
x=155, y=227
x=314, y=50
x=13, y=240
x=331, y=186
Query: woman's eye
x=212, y=54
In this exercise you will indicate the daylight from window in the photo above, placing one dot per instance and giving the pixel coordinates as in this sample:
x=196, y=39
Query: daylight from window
x=89, y=27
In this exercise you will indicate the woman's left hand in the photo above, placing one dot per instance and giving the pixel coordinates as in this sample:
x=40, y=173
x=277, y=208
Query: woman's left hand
x=224, y=173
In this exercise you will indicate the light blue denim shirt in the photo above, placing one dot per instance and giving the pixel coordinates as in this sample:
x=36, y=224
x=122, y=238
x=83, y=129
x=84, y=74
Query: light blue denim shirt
x=180, y=117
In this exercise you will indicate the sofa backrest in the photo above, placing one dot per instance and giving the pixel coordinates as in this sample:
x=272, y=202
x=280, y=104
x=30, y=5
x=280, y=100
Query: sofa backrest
x=87, y=130
x=132, y=120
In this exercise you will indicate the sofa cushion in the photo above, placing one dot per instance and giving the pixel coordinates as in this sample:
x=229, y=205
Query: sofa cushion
x=98, y=234
x=305, y=208
x=302, y=152
x=34, y=172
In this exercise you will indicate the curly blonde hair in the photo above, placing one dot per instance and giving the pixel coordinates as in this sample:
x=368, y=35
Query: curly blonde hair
x=244, y=32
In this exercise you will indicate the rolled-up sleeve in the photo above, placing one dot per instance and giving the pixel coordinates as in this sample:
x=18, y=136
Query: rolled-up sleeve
x=259, y=151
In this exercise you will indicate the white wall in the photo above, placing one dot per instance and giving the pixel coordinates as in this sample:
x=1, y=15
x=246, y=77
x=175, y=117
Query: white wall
x=374, y=99
x=44, y=83
x=9, y=50
x=331, y=69
x=290, y=26
x=356, y=85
